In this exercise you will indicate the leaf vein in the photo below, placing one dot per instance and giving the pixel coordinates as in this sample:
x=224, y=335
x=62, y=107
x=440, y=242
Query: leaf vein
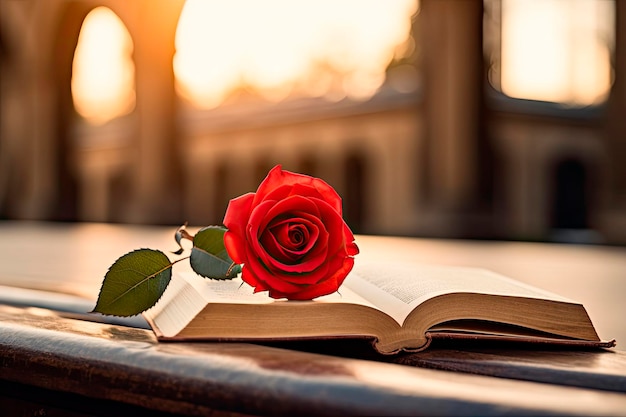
x=147, y=278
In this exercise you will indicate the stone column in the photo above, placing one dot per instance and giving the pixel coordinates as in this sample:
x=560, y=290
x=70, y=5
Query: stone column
x=450, y=33
x=616, y=138
x=157, y=178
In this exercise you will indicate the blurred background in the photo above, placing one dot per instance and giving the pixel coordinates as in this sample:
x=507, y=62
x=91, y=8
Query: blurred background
x=494, y=119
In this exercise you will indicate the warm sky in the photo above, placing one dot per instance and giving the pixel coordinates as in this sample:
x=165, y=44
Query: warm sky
x=551, y=50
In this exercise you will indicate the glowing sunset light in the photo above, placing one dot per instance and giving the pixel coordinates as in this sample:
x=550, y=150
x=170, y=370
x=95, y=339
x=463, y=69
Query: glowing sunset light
x=278, y=47
x=555, y=50
x=103, y=85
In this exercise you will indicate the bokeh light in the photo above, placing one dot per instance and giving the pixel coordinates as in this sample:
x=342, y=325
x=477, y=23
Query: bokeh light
x=103, y=72
x=557, y=50
x=278, y=48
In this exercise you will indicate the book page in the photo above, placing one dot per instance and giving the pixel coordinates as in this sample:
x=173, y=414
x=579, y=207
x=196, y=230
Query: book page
x=233, y=291
x=236, y=291
x=188, y=293
x=398, y=288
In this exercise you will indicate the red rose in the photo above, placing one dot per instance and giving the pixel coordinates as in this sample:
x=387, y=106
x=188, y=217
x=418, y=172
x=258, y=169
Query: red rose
x=290, y=237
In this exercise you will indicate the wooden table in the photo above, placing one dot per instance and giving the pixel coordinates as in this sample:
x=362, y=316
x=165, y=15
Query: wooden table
x=55, y=360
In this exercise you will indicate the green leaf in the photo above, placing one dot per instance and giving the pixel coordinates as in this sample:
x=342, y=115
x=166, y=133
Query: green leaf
x=209, y=257
x=134, y=283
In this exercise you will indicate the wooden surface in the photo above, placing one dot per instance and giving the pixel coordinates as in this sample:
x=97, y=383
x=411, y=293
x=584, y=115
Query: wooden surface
x=121, y=365
x=56, y=358
x=588, y=368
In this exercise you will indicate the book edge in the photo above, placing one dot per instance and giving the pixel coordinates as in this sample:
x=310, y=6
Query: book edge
x=432, y=336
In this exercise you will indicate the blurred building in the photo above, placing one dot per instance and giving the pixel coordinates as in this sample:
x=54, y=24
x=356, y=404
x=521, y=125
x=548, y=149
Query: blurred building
x=444, y=145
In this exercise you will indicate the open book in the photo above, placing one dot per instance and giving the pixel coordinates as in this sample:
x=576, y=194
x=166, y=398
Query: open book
x=400, y=307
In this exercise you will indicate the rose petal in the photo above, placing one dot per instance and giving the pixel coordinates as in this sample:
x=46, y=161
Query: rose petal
x=325, y=287
x=351, y=248
x=294, y=234
x=247, y=275
x=279, y=181
x=273, y=237
x=238, y=213
x=235, y=246
x=322, y=190
x=310, y=277
x=305, y=262
x=255, y=229
x=288, y=207
x=301, y=190
x=329, y=220
x=336, y=222
x=269, y=210
x=333, y=222
x=274, y=180
x=310, y=226
x=235, y=220
x=256, y=268
x=290, y=236
x=274, y=249
x=258, y=221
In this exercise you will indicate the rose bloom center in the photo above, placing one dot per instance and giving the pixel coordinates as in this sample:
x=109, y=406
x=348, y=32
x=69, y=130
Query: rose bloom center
x=292, y=236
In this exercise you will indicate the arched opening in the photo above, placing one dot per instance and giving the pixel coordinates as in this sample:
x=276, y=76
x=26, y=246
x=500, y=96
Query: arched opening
x=570, y=210
x=307, y=164
x=355, y=173
x=95, y=86
x=571, y=203
x=103, y=72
